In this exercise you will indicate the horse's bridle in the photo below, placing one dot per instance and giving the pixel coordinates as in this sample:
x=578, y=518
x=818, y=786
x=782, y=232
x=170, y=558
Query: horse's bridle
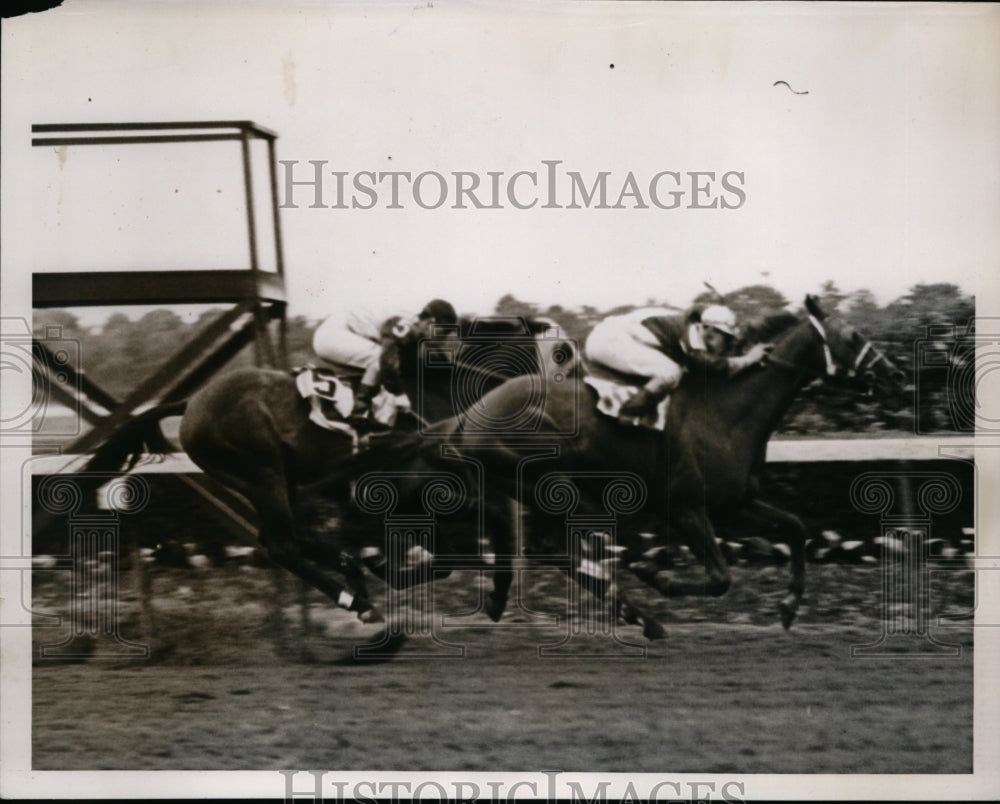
x=868, y=357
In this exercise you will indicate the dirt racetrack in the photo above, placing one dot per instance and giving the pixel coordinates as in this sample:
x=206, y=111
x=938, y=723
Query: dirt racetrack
x=230, y=687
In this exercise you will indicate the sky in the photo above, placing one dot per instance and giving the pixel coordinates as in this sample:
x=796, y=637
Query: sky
x=874, y=164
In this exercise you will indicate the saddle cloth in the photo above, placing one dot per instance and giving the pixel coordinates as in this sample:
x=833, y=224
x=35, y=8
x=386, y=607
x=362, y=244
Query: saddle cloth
x=614, y=390
x=331, y=400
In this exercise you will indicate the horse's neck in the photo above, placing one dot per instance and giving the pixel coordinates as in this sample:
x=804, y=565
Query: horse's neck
x=431, y=398
x=770, y=391
x=754, y=403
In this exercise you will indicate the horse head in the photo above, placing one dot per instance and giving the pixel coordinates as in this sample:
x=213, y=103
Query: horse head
x=838, y=353
x=445, y=369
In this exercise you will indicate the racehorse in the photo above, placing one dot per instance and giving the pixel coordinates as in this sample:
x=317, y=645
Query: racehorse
x=705, y=465
x=250, y=431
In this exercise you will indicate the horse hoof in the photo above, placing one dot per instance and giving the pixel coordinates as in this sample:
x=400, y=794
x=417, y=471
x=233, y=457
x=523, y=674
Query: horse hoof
x=495, y=609
x=628, y=614
x=375, y=651
x=372, y=615
x=652, y=630
x=645, y=572
x=787, y=614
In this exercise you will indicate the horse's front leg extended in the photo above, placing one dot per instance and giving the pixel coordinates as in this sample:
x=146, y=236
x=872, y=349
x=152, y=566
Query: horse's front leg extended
x=289, y=555
x=330, y=557
x=791, y=527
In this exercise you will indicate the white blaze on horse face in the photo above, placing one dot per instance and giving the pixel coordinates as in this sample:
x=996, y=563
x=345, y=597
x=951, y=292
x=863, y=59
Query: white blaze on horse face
x=831, y=367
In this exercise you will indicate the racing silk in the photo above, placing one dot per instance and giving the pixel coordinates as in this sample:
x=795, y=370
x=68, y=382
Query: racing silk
x=357, y=340
x=657, y=344
x=681, y=341
x=376, y=327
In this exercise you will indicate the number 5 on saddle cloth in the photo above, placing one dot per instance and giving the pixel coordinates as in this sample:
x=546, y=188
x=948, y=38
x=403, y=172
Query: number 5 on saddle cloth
x=331, y=401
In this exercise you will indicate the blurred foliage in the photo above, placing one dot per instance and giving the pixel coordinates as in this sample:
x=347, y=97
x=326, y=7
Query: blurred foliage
x=120, y=353
x=925, y=332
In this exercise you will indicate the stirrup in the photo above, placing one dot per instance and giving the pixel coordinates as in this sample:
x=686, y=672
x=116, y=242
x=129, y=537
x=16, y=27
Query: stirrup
x=360, y=422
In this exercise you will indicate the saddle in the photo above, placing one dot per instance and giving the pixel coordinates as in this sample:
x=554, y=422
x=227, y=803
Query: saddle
x=613, y=389
x=330, y=395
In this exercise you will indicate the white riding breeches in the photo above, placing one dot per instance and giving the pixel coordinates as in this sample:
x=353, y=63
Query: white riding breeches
x=627, y=346
x=334, y=342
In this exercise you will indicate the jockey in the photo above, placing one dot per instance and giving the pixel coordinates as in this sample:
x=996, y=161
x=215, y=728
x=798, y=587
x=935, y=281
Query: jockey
x=661, y=344
x=355, y=343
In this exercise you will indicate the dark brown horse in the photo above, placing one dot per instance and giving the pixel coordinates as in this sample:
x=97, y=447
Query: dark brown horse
x=567, y=462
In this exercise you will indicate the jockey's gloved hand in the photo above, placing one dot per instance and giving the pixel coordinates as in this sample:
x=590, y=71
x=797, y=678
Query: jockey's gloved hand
x=757, y=353
x=363, y=399
x=362, y=402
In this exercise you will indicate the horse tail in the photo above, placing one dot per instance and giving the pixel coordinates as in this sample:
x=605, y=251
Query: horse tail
x=127, y=443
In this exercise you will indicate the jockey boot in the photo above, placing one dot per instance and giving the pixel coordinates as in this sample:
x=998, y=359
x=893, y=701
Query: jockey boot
x=362, y=402
x=639, y=406
x=643, y=405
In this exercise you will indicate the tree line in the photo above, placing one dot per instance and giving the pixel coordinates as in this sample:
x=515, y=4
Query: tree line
x=926, y=332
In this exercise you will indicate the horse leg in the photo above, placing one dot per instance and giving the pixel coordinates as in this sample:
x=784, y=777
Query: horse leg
x=695, y=530
x=595, y=579
x=276, y=522
x=271, y=498
x=348, y=566
x=500, y=531
x=633, y=615
x=795, y=531
x=309, y=520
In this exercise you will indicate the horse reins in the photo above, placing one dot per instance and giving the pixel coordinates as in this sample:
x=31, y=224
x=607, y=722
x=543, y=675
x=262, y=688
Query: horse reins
x=860, y=363
x=872, y=361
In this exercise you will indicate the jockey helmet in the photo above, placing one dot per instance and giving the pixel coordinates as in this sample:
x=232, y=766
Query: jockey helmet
x=720, y=318
x=441, y=311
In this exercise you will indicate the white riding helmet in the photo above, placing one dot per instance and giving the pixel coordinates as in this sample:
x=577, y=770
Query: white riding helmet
x=720, y=318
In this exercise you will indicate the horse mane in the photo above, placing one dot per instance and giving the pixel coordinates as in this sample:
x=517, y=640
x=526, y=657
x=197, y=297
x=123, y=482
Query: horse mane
x=767, y=328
